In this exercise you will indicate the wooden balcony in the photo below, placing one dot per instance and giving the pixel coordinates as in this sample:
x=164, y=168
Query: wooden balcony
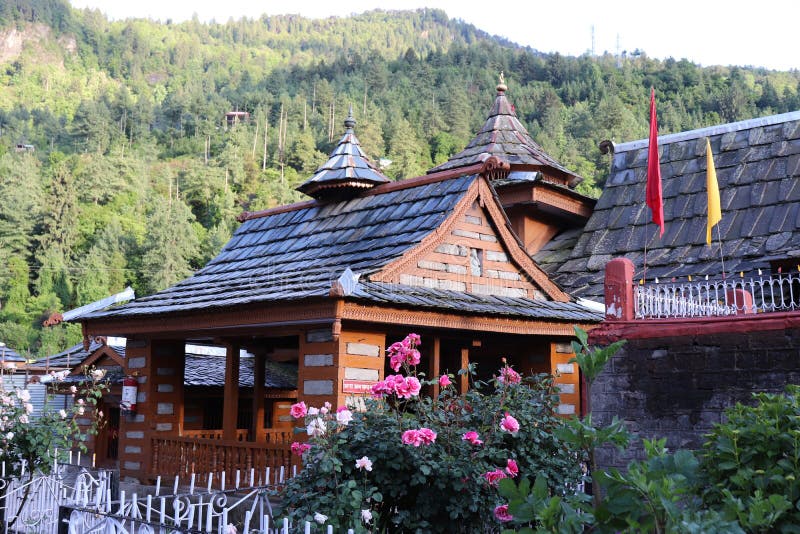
x=182, y=456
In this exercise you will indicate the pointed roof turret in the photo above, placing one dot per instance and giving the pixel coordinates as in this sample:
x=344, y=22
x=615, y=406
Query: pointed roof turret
x=502, y=135
x=347, y=171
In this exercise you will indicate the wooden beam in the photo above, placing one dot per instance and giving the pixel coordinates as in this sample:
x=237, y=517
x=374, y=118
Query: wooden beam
x=464, y=382
x=435, y=366
x=230, y=411
x=257, y=426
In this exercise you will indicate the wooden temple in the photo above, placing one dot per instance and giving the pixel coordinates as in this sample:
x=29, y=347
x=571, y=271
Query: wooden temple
x=327, y=284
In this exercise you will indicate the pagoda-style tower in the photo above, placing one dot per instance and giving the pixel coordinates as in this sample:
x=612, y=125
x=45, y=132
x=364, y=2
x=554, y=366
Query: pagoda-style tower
x=347, y=172
x=537, y=192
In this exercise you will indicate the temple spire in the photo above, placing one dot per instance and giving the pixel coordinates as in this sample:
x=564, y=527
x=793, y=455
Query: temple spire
x=347, y=171
x=503, y=136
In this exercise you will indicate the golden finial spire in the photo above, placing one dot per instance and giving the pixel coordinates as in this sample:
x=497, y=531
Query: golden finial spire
x=502, y=87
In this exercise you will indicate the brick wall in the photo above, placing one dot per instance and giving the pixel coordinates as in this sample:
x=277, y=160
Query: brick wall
x=471, y=259
x=678, y=387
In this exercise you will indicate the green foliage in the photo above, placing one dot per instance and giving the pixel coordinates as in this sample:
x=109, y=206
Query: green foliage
x=752, y=461
x=34, y=438
x=441, y=485
x=122, y=113
x=592, y=360
x=744, y=479
x=537, y=505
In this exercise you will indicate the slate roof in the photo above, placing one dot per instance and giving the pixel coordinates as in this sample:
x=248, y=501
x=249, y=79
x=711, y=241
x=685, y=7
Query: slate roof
x=295, y=253
x=348, y=168
x=503, y=135
x=425, y=297
x=76, y=354
x=206, y=370
x=758, y=170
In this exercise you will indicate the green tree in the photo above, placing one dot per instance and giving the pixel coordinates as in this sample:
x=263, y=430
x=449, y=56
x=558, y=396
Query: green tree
x=171, y=245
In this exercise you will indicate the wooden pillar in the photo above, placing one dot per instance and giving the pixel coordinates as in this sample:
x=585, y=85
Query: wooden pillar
x=435, y=367
x=464, y=381
x=257, y=426
x=231, y=403
x=566, y=378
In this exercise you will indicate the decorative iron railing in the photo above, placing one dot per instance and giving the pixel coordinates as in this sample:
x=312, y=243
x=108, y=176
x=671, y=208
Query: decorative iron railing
x=708, y=298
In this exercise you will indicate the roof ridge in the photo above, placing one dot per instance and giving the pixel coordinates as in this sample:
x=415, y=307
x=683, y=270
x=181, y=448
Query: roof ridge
x=707, y=131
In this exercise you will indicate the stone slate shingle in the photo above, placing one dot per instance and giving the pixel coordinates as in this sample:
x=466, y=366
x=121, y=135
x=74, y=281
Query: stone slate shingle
x=758, y=169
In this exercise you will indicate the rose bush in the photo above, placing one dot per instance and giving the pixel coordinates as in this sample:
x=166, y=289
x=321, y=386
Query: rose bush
x=433, y=463
x=34, y=440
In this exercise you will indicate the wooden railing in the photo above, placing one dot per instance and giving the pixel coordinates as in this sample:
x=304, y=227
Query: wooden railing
x=182, y=456
x=241, y=434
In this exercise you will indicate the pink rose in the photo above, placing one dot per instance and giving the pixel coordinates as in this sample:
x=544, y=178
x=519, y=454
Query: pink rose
x=427, y=436
x=411, y=437
x=404, y=352
x=472, y=437
x=511, y=468
x=509, y=376
x=423, y=436
x=492, y=477
x=444, y=381
x=395, y=361
x=298, y=410
x=299, y=448
x=510, y=425
x=379, y=389
x=501, y=513
x=413, y=386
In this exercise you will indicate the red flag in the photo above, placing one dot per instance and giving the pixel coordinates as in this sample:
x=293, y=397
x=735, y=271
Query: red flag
x=653, y=194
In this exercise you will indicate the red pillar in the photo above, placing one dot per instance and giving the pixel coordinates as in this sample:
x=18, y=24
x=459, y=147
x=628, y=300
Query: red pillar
x=619, y=290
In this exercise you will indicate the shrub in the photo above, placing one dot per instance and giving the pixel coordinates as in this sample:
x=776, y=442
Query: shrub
x=752, y=462
x=434, y=464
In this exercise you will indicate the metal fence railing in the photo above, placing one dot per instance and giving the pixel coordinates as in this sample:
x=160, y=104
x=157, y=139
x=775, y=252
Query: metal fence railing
x=709, y=298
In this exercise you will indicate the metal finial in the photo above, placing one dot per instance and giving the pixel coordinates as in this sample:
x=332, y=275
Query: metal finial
x=502, y=87
x=350, y=122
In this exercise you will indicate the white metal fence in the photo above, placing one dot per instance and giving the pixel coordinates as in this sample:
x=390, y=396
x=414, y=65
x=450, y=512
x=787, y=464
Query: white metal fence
x=725, y=297
x=29, y=501
x=77, y=500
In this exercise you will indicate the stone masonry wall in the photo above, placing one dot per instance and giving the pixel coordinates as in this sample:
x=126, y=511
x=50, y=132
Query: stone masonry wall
x=678, y=387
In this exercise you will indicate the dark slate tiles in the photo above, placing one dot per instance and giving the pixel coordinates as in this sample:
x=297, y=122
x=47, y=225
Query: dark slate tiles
x=424, y=297
x=296, y=254
x=758, y=170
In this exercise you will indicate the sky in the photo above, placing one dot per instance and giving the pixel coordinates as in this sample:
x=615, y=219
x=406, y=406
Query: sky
x=707, y=32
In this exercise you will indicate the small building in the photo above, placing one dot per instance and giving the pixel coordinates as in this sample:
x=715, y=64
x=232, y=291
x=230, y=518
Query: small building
x=234, y=117
x=24, y=147
x=327, y=284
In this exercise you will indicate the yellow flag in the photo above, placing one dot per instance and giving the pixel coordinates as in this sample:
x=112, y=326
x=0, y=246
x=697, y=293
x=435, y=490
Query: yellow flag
x=714, y=209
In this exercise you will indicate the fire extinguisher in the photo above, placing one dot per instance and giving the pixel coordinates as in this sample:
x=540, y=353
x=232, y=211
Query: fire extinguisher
x=130, y=386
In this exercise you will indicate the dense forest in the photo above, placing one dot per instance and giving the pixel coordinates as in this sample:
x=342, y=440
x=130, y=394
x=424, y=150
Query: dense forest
x=118, y=166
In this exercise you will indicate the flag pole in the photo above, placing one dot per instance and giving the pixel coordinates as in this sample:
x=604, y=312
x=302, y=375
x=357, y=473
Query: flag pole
x=653, y=193
x=721, y=255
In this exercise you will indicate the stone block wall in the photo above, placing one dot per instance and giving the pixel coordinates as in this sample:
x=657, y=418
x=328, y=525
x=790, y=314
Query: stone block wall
x=678, y=387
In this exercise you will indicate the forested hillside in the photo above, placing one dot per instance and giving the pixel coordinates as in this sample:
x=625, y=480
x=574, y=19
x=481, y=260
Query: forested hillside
x=118, y=167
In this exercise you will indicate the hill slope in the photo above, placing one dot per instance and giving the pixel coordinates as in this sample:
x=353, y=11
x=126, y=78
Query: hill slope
x=136, y=177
